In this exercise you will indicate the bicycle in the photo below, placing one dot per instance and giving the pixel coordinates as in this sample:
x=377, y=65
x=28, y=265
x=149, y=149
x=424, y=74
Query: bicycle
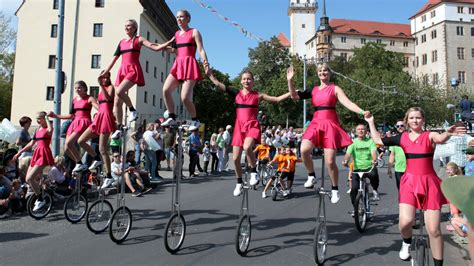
x=75, y=207
x=421, y=245
x=121, y=220
x=100, y=212
x=362, y=212
x=175, y=229
x=244, y=226
x=276, y=189
x=320, y=232
x=380, y=162
x=265, y=171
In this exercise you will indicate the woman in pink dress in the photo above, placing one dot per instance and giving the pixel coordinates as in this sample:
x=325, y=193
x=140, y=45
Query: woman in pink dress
x=185, y=69
x=103, y=124
x=81, y=114
x=130, y=72
x=324, y=131
x=42, y=156
x=419, y=185
x=247, y=128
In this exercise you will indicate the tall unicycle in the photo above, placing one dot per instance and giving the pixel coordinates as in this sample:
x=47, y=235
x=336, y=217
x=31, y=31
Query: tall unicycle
x=75, y=207
x=244, y=227
x=121, y=220
x=320, y=232
x=175, y=229
x=100, y=212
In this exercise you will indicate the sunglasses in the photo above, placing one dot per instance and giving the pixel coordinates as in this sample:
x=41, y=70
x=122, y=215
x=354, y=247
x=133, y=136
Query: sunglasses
x=115, y=156
x=399, y=126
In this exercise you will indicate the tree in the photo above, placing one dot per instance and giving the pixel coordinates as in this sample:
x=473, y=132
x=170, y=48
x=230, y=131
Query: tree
x=7, y=60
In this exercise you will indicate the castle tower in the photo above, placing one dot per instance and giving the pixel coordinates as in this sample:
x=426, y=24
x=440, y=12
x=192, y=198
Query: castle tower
x=302, y=15
x=324, y=39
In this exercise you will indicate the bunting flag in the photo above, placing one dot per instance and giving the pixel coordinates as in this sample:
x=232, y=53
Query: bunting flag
x=245, y=32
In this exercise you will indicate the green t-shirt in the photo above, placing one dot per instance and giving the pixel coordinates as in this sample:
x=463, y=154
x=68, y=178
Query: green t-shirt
x=361, y=151
x=115, y=142
x=400, y=160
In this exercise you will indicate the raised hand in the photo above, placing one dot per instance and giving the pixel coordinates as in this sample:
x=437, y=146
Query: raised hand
x=290, y=72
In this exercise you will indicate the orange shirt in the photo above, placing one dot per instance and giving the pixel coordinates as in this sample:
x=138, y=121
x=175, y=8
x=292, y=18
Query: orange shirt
x=263, y=151
x=286, y=162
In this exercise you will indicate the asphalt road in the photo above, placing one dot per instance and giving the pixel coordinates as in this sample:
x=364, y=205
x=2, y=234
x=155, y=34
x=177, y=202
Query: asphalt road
x=282, y=231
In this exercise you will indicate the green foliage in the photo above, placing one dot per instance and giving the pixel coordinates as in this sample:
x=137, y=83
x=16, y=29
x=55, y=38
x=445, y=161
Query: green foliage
x=7, y=61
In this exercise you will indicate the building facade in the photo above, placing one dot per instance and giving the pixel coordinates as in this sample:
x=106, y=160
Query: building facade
x=92, y=31
x=302, y=15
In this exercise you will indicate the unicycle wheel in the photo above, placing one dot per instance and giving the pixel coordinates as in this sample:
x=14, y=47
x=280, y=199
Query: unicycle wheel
x=98, y=216
x=243, y=235
x=120, y=224
x=320, y=242
x=41, y=212
x=75, y=207
x=175, y=232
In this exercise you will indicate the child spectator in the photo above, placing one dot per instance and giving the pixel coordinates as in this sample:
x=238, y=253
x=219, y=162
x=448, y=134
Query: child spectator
x=469, y=166
x=206, y=154
x=59, y=176
x=452, y=170
x=5, y=195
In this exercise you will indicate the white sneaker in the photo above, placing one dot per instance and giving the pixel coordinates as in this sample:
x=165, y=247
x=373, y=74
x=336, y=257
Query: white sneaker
x=117, y=134
x=375, y=196
x=334, y=196
x=348, y=191
x=285, y=193
x=264, y=195
x=39, y=205
x=253, y=179
x=404, y=251
x=169, y=122
x=95, y=164
x=310, y=182
x=132, y=116
x=237, y=190
x=107, y=183
x=193, y=125
x=79, y=167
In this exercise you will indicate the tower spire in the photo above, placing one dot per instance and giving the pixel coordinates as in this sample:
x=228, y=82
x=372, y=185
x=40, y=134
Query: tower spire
x=324, y=20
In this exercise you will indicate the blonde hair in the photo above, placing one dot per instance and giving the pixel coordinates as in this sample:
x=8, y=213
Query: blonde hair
x=471, y=143
x=186, y=13
x=135, y=25
x=413, y=109
x=455, y=167
x=59, y=160
x=323, y=65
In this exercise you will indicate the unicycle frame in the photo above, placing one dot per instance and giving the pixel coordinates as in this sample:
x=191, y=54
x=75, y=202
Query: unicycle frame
x=321, y=193
x=421, y=241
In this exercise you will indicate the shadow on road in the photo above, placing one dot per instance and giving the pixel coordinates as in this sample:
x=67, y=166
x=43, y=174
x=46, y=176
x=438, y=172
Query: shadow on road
x=195, y=249
x=5, y=237
x=262, y=251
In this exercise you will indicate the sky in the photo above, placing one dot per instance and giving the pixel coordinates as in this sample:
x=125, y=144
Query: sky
x=227, y=48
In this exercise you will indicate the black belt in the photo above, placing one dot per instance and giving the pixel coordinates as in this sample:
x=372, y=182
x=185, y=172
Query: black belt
x=240, y=105
x=129, y=51
x=186, y=44
x=418, y=155
x=103, y=101
x=82, y=109
x=41, y=138
x=320, y=108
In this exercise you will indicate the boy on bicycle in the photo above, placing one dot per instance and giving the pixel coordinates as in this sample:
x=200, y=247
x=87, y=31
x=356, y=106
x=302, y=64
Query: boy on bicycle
x=286, y=160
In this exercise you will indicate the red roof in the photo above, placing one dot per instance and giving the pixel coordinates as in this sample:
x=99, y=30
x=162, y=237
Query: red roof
x=433, y=3
x=283, y=40
x=370, y=28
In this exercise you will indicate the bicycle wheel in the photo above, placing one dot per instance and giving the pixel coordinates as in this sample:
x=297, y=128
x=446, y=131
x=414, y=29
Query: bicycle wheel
x=320, y=242
x=264, y=176
x=98, y=216
x=360, y=215
x=75, y=207
x=380, y=162
x=120, y=224
x=175, y=232
x=41, y=212
x=243, y=235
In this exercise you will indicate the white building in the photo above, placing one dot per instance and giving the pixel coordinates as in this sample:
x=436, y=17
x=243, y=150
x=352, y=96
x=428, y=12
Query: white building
x=302, y=15
x=92, y=30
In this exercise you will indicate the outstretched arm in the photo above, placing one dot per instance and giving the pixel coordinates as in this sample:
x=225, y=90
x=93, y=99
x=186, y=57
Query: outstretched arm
x=274, y=99
x=216, y=82
x=451, y=131
x=156, y=46
x=25, y=148
x=291, y=84
x=344, y=100
x=374, y=133
x=200, y=48
x=110, y=66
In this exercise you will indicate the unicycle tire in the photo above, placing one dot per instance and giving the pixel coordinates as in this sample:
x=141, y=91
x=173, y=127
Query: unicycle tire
x=120, y=224
x=421, y=255
x=42, y=212
x=175, y=231
x=360, y=214
x=75, y=207
x=243, y=235
x=99, y=215
x=320, y=242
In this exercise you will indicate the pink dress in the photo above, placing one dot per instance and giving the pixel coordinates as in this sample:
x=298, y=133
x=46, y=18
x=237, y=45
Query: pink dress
x=420, y=186
x=42, y=156
x=104, y=121
x=130, y=68
x=325, y=131
x=185, y=66
x=246, y=123
x=81, y=108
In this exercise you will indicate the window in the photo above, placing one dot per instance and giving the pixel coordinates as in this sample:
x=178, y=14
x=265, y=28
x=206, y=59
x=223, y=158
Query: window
x=312, y=44
x=379, y=40
x=405, y=44
x=460, y=53
x=161, y=103
x=147, y=35
x=433, y=13
x=424, y=59
x=49, y=93
x=423, y=38
x=95, y=61
x=433, y=34
x=423, y=18
x=435, y=79
x=153, y=99
x=392, y=43
x=52, y=62
x=146, y=66
x=97, y=30
x=472, y=53
x=344, y=56
x=472, y=31
x=471, y=10
x=181, y=109
x=406, y=60
x=161, y=76
x=460, y=30
x=425, y=80
x=462, y=77
x=417, y=61
x=94, y=91
x=303, y=26
x=154, y=72
x=55, y=4
x=343, y=39
x=460, y=9
x=54, y=30
x=434, y=56
x=416, y=41
x=362, y=40
x=99, y=3
x=145, y=96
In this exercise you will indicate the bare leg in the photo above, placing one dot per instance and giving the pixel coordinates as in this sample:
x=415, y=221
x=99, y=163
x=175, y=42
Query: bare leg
x=118, y=110
x=71, y=147
x=171, y=83
x=122, y=90
x=33, y=177
x=86, y=136
x=306, y=150
x=407, y=215
x=432, y=220
x=330, y=158
x=187, y=96
x=104, y=151
x=128, y=182
x=248, y=147
x=236, y=153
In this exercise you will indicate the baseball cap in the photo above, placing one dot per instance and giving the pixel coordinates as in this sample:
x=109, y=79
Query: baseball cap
x=206, y=142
